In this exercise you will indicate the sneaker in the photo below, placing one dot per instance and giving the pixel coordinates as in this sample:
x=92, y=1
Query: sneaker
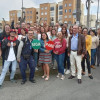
x=93, y=67
x=67, y=72
x=64, y=70
x=62, y=77
x=13, y=81
x=36, y=69
x=58, y=75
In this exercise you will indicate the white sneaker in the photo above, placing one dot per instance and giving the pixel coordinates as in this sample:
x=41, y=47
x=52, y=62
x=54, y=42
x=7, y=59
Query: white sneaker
x=54, y=68
x=58, y=75
x=64, y=70
x=67, y=72
x=62, y=77
x=36, y=69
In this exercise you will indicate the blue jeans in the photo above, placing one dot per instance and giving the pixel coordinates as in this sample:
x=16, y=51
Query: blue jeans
x=5, y=69
x=60, y=62
x=23, y=66
x=93, y=54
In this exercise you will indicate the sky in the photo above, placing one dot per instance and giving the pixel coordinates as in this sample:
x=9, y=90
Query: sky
x=7, y=5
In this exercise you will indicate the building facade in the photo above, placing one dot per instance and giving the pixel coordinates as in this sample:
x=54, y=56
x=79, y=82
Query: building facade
x=45, y=13
x=30, y=15
x=15, y=15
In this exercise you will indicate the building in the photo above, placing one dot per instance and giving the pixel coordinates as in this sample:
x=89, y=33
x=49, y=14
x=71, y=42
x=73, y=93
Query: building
x=45, y=13
x=92, y=21
x=15, y=15
x=30, y=15
x=38, y=15
x=60, y=12
x=68, y=7
x=53, y=13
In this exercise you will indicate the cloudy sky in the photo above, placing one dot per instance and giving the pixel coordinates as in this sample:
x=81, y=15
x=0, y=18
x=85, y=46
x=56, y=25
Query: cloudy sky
x=7, y=5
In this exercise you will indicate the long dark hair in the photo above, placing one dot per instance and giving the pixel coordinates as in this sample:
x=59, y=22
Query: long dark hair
x=66, y=34
x=46, y=36
x=55, y=31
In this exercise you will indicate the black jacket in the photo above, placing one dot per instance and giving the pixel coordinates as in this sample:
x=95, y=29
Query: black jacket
x=7, y=48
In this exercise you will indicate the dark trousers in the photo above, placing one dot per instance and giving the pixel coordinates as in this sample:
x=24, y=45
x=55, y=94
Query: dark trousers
x=23, y=66
x=87, y=58
x=93, y=55
x=98, y=55
x=67, y=58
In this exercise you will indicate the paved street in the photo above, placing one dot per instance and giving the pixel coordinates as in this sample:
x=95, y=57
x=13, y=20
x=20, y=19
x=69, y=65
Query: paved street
x=54, y=89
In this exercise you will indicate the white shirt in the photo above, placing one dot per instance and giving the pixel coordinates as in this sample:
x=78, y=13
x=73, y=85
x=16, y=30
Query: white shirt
x=20, y=37
x=11, y=56
x=39, y=36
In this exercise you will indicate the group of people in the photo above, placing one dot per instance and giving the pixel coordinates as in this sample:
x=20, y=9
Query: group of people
x=71, y=48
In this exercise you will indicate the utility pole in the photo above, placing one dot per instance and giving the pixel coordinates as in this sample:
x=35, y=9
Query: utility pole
x=78, y=11
x=88, y=13
x=22, y=9
x=97, y=16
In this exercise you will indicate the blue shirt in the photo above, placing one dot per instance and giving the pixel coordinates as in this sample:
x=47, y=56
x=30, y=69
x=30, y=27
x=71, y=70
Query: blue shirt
x=74, y=42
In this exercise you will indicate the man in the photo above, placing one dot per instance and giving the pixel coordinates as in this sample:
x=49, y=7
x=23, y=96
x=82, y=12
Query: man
x=10, y=46
x=76, y=51
x=25, y=56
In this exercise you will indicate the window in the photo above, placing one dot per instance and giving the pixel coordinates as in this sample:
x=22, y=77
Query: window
x=27, y=17
x=70, y=5
x=30, y=12
x=60, y=12
x=51, y=13
x=41, y=13
x=69, y=22
x=52, y=18
x=70, y=10
x=65, y=5
x=36, y=12
x=52, y=9
x=65, y=10
x=30, y=21
x=37, y=17
x=60, y=18
x=60, y=7
x=41, y=18
x=13, y=14
x=70, y=16
x=45, y=18
x=45, y=13
x=65, y=22
x=65, y=16
x=45, y=7
x=30, y=17
x=10, y=14
x=42, y=8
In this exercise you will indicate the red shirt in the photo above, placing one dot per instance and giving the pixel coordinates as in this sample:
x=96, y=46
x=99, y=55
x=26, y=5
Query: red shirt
x=59, y=47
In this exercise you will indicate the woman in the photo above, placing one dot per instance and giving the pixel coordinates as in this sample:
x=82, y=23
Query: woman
x=71, y=30
x=22, y=35
x=98, y=48
x=52, y=38
x=59, y=51
x=95, y=43
x=66, y=36
x=45, y=56
x=87, y=56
